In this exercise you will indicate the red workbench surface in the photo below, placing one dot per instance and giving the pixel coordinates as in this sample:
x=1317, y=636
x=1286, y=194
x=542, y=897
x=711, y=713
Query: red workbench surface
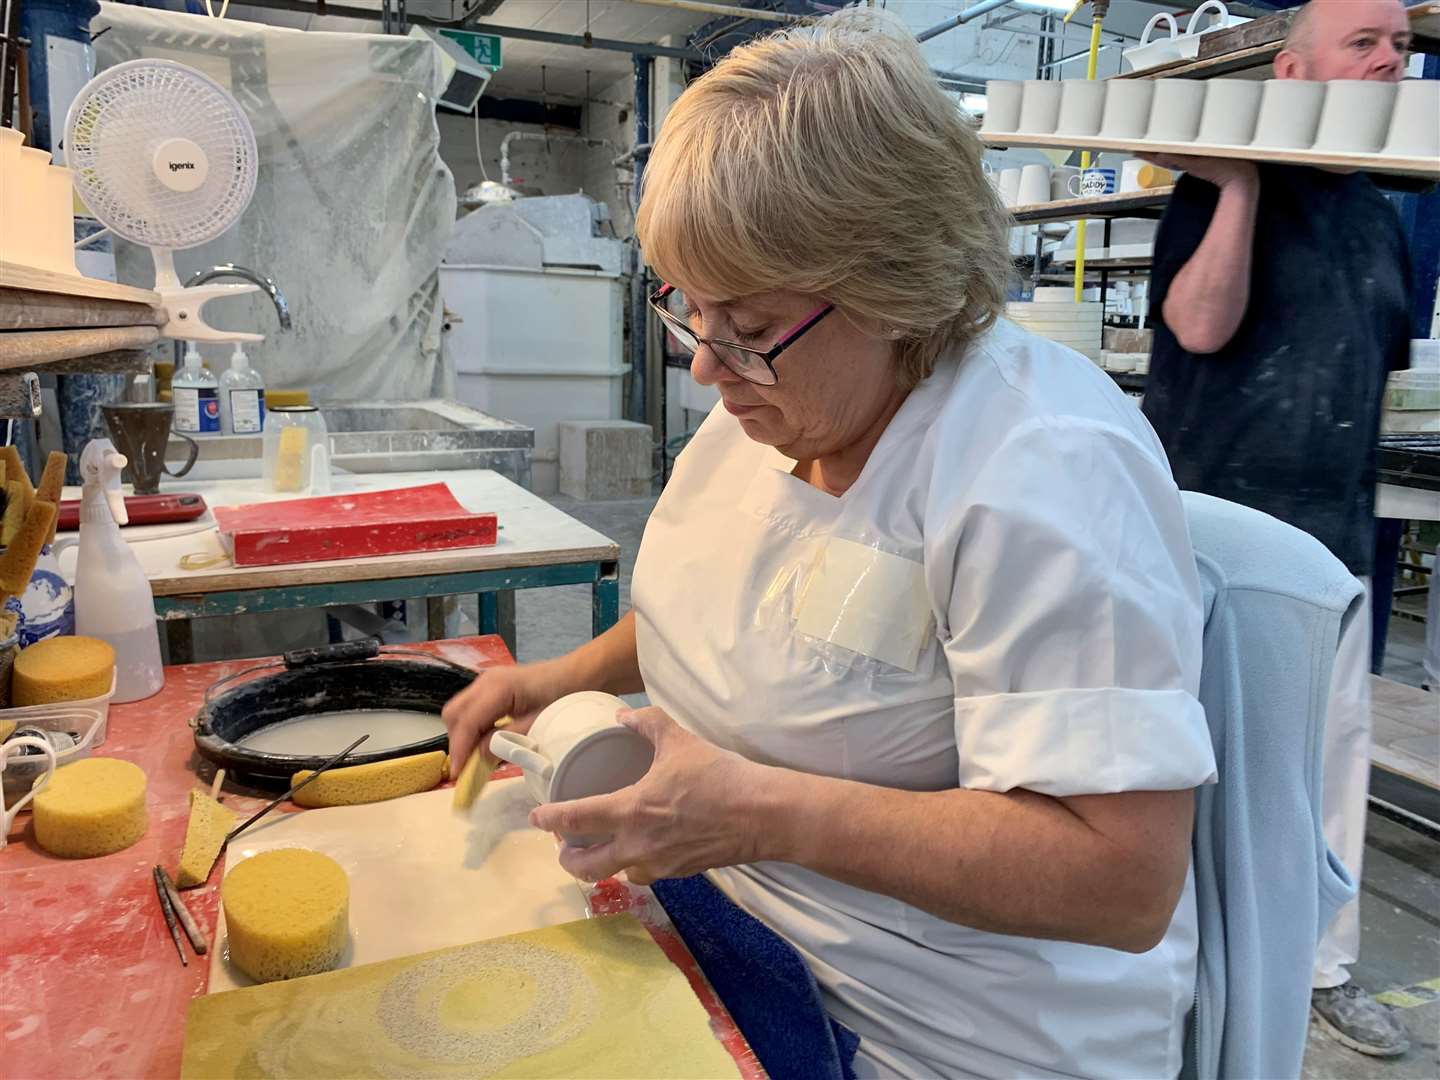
x=90, y=984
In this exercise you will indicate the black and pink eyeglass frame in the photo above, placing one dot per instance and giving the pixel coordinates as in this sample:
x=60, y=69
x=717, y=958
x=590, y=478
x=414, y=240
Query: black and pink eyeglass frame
x=752, y=365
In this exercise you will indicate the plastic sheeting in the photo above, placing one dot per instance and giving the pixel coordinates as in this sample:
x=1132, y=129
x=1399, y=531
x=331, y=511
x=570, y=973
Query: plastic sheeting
x=352, y=210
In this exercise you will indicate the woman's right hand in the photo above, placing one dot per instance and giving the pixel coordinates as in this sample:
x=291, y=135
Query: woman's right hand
x=519, y=692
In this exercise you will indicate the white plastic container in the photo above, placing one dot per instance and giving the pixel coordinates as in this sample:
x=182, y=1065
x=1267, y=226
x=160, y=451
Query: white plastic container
x=242, y=396
x=537, y=347
x=88, y=718
x=113, y=600
x=196, y=394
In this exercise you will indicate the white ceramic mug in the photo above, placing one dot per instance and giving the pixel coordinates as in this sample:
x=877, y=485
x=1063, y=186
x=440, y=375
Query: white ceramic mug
x=1092, y=183
x=1082, y=105
x=11, y=749
x=1415, y=122
x=1130, y=174
x=1175, y=110
x=1356, y=116
x=1034, y=185
x=1040, y=106
x=1289, y=114
x=1002, y=105
x=1009, y=186
x=1127, y=108
x=1060, y=180
x=574, y=749
x=1232, y=107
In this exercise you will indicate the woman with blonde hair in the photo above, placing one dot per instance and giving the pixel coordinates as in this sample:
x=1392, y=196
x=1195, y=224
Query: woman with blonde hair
x=917, y=612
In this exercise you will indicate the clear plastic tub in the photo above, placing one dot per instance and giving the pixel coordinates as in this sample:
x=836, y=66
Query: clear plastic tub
x=86, y=719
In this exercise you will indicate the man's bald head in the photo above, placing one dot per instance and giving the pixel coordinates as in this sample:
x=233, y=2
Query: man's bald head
x=1346, y=39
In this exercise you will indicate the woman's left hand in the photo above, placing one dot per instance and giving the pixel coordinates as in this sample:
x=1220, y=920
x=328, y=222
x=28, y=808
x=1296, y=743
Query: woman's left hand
x=691, y=812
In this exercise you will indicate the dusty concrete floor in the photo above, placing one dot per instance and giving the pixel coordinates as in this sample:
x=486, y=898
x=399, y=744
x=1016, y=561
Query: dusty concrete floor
x=1400, y=887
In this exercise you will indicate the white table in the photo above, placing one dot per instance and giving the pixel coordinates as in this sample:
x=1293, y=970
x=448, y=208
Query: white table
x=538, y=546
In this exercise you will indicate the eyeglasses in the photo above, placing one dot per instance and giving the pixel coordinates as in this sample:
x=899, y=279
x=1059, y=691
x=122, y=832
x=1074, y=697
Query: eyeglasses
x=752, y=365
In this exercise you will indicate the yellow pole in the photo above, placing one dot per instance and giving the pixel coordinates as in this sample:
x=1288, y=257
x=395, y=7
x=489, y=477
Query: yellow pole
x=1085, y=159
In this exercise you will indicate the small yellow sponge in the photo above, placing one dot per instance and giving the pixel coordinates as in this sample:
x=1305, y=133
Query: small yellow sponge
x=91, y=807
x=62, y=669
x=290, y=459
x=287, y=914
x=372, y=782
x=205, y=834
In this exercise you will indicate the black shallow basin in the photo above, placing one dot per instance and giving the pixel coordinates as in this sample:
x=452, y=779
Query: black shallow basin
x=408, y=685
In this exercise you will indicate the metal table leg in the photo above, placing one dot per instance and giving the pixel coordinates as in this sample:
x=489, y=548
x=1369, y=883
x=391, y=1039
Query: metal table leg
x=605, y=599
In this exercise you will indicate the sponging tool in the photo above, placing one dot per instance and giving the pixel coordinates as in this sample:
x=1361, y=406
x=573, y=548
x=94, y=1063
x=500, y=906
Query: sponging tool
x=476, y=774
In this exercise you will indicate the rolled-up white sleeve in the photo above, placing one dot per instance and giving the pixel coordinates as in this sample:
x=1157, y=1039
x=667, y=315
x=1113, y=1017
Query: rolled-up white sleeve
x=1073, y=619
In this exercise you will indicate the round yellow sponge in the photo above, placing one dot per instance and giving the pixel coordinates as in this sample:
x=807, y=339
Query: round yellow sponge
x=62, y=669
x=287, y=914
x=91, y=807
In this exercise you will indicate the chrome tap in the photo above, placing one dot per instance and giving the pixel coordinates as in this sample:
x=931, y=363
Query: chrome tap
x=282, y=308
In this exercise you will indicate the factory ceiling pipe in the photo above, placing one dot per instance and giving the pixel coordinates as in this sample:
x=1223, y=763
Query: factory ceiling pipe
x=961, y=19
x=578, y=41
x=705, y=7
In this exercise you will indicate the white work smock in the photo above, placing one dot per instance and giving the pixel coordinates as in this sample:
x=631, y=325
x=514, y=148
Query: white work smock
x=1005, y=598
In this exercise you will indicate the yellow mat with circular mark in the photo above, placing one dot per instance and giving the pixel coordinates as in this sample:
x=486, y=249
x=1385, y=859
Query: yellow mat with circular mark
x=595, y=998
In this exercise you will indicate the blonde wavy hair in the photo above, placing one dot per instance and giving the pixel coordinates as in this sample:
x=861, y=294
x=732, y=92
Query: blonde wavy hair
x=826, y=159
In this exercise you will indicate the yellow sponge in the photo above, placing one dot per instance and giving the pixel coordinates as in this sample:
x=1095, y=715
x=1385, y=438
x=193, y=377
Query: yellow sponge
x=22, y=549
x=52, y=482
x=62, y=669
x=205, y=834
x=373, y=782
x=287, y=914
x=290, y=459
x=91, y=807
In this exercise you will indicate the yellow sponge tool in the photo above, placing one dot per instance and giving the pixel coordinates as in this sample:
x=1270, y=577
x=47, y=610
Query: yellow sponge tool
x=290, y=459
x=91, y=807
x=62, y=669
x=22, y=549
x=373, y=782
x=205, y=834
x=287, y=914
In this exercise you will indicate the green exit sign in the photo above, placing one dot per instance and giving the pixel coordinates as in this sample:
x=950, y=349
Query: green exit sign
x=482, y=48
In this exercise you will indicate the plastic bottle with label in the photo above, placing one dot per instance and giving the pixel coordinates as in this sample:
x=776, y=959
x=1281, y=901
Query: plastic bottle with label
x=196, y=394
x=242, y=397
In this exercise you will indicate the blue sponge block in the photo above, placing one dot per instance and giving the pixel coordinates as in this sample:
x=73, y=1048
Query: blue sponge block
x=763, y=981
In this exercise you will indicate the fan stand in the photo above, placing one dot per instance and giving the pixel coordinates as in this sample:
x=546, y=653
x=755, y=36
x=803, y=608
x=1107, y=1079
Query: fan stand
x=183, y=318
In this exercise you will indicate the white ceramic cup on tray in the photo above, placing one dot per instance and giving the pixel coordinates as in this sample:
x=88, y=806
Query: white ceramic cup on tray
x=574, y=749
x=1289, y=114
x=1175, y=110
x=1127, y=108
x=1040, y=106
x=11, y=749
x=1082, y=105
x=1002, y=105
x=1009, y=186
x=1232, y=107
x=1356, y=116
x=1415, y=122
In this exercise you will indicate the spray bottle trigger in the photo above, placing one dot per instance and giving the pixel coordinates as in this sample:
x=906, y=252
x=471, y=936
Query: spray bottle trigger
x=116, y=462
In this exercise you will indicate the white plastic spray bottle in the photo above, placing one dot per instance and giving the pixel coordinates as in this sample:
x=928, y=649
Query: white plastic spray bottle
x=113, y=600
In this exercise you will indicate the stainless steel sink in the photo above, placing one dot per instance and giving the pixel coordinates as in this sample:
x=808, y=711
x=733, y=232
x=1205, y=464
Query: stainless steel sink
x=397, y=436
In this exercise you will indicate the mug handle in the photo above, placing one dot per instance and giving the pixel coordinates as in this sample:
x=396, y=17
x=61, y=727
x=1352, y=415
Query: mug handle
x=1217, y=6
x=51, y=763
x=1073, y=185
x=521, y=750
x=189, y=461
x=1156, y=20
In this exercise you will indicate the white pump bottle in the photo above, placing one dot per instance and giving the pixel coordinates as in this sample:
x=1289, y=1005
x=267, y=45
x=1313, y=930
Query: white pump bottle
x=113, y=600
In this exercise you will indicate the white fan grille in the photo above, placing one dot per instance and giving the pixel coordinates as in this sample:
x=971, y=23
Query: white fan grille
x=113, y=129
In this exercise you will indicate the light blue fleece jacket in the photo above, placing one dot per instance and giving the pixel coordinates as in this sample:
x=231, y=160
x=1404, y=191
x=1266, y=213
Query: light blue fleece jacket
x=1266, y=884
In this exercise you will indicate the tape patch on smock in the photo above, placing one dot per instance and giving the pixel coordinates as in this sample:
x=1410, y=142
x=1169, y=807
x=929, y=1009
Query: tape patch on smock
x=867, y=601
